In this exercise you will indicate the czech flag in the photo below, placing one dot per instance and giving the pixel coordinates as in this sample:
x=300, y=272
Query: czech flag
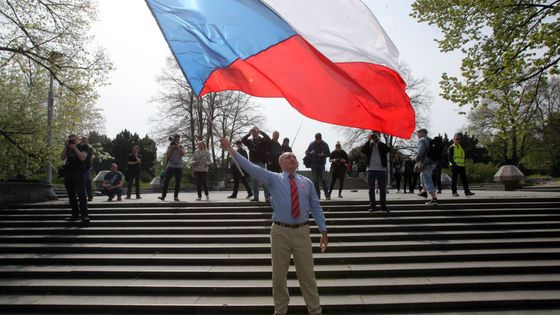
x=330, y=59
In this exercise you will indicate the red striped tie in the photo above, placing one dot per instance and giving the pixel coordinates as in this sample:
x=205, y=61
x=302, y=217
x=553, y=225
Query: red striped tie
x=295, y=197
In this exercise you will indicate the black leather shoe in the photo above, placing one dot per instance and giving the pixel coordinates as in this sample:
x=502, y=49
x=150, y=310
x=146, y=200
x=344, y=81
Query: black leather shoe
x=232, y=197
x=85, y=219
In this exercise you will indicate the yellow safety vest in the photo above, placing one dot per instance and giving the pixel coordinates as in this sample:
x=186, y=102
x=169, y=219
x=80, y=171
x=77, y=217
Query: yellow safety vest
x=458, y=155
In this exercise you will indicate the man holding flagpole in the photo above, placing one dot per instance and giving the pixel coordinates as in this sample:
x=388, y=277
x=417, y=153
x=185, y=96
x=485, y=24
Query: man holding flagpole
x=294, y=201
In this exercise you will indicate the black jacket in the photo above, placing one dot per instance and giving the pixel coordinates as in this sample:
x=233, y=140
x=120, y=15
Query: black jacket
x=258, y=148
x=383, y=150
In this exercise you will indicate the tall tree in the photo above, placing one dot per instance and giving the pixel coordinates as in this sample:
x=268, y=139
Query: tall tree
x=216, y=114
x=505, y=42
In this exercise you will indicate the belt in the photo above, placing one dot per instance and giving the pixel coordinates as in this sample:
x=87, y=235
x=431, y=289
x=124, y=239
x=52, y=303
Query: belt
x=293, y=226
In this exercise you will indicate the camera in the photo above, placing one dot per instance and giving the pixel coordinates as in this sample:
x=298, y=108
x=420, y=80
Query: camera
x=71, y=141
x=170, y=139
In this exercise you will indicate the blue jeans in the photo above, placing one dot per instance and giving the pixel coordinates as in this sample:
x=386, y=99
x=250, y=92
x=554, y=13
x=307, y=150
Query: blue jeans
x=318, y=175
x=381, y=178
x=255, y=184
x=426, y=177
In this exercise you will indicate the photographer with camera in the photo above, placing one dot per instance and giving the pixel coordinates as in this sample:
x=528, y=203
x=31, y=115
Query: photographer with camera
x=76, y=156
x=376, y=152
x=174, y=155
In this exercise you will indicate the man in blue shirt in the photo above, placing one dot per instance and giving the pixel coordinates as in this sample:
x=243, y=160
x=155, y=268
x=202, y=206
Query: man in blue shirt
x=294, y=199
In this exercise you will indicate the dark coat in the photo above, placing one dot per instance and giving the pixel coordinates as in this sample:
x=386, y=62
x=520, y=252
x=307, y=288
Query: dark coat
x=383, y=150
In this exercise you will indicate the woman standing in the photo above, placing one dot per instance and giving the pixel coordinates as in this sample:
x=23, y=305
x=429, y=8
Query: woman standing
x=201, y=160
x=339, y=160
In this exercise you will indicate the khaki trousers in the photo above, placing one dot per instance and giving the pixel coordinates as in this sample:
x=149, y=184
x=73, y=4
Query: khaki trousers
x=286, y=241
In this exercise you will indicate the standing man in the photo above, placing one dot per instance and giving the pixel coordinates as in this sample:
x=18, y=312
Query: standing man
x=76, y=156
x=376, y=152
x=133, y=171
x=456, y=156
x=87, y=168
x=237, y=175
x=275, y=150
x=294, y=200
x=174, y=154
x=258, y=147
x=112, y=183
x=319, y=151
x=428, y=166
x=339, y=160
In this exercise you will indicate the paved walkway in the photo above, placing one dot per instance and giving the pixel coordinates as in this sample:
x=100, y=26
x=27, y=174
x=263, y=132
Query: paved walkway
x=355, y=195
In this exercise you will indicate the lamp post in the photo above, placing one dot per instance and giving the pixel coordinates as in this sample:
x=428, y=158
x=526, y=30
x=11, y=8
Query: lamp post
x=50, y=111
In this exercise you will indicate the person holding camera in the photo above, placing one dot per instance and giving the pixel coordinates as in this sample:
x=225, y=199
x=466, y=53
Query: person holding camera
x=76, y=156
x=259, y=150
x=376, y=152
x=174, y=155
x=134, y=162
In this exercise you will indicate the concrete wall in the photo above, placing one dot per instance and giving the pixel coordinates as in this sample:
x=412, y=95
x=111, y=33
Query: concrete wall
x=20, y=192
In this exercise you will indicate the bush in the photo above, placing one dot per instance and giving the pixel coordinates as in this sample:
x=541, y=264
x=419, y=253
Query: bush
x=481, y=172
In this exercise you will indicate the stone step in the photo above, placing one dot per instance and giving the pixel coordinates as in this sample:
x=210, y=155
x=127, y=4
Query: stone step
x=519, y=300
x=253, y=214
x=464, y=256
x=115, y=237
x=236, y=248
x=256, y=287
x=265, y=229
x=242, y=203
x=379, y=217
x=265, y=271
x=253, y=259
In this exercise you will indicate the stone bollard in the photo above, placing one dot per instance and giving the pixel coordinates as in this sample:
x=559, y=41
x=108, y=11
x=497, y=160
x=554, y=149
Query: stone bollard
x=510, y=176
x=156, y=184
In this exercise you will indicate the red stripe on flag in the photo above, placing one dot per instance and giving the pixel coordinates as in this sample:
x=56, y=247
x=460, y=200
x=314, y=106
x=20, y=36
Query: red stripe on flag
x=357, y=95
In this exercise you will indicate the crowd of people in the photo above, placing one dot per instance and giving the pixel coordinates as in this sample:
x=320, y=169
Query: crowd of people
x=421, y=173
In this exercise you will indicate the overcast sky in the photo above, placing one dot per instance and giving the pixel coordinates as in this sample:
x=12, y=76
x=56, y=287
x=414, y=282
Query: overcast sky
x=133, y=41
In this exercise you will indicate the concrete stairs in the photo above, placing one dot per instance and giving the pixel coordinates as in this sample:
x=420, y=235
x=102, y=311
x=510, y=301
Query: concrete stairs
x=498, y=256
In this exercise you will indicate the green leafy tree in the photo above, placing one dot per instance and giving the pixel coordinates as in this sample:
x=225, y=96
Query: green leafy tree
x=40, y=41
x=122, y=146
x=505, y=43
x=149, y=157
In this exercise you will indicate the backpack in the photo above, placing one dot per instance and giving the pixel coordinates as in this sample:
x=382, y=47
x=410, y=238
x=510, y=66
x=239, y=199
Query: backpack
x=307, y=161
x=435, y=148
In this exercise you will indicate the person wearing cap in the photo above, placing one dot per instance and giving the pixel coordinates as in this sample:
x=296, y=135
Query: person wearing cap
x=237, y=176
x=376, y=152
x=428, y=166
x=294, y=200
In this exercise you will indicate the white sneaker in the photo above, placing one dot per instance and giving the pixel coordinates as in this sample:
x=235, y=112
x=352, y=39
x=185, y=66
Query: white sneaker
x=207, y=197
